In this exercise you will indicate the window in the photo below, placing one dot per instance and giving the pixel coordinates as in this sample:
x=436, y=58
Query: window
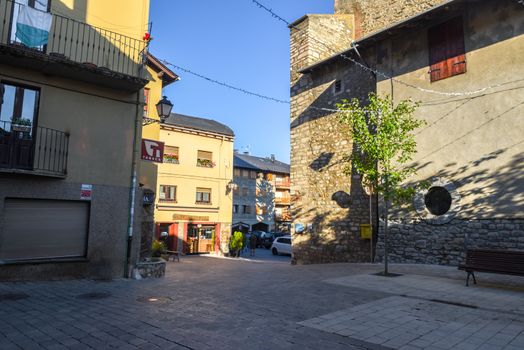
x=245, y=173
x=203, y=196
x=245, y=191
x=252, y=174
x=171, y=155
x=236, y=191
x=261, y=210
x=236, y=172
x=205, y=159
x=18, y=116
x=447, y=54
x=438, y=200
x=18, y=105
x=246, y=209
x=167, y=193
x=337, y=87
x=235, y=209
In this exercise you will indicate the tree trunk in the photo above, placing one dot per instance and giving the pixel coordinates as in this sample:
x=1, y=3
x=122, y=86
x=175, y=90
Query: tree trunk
x=386, y=272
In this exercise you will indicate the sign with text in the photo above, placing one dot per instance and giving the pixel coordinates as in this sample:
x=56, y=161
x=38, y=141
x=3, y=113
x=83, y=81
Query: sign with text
x=86, y=191
x=190, y=217
x=152, y=151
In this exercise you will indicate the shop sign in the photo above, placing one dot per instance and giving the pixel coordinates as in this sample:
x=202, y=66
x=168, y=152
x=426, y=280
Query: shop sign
x=190, y=217
x=152, y=151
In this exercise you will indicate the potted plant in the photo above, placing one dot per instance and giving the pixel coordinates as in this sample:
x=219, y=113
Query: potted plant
x=158, y=249
x=22, y=124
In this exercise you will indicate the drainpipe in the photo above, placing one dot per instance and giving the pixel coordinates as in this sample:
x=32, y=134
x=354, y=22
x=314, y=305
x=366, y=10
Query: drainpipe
x=132, y=190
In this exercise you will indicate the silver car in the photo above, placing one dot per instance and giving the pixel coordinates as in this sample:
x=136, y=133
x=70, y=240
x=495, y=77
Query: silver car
x=281, y=245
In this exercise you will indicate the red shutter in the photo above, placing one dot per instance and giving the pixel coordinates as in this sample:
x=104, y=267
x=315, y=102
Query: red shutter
x=446, y=49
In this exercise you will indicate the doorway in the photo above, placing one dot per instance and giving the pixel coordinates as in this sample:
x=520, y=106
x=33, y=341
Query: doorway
x=200, y=238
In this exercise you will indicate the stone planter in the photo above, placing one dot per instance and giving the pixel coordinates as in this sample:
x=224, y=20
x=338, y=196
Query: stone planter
x=151, y=268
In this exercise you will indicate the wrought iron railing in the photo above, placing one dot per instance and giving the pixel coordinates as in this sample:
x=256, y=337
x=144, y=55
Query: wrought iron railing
x=283, y=183
x=33, y=148
x=79, y=42
x=286, y=200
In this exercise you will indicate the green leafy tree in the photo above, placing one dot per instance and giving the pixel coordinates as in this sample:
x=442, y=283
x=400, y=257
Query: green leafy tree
x=237, y=242
x=384, y=142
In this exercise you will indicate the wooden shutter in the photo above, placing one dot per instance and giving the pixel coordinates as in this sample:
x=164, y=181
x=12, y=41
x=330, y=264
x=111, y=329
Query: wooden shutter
x=446, y=49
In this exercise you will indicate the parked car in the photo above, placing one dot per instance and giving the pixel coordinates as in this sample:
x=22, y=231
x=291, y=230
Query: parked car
x=270, y=237
x=281, y=245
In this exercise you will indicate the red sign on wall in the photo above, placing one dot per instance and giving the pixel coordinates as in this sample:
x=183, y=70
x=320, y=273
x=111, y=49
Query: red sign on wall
x=152, y=150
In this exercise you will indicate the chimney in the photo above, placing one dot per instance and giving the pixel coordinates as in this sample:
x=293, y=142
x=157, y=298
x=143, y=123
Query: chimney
x=235, y=151
x=272, y=158
x=246, y=153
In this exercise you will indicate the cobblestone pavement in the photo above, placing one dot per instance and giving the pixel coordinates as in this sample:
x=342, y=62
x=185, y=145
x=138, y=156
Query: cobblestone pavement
x=209, y=303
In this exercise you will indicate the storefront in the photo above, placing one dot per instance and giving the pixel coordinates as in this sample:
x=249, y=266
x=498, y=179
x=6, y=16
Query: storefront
x=190, y=238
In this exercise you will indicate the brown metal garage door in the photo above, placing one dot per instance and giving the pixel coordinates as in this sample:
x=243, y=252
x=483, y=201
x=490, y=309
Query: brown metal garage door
x=42, y=229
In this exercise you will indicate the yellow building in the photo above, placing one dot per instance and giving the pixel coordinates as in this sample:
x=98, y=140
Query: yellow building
x=194, y=185
x=71, y=91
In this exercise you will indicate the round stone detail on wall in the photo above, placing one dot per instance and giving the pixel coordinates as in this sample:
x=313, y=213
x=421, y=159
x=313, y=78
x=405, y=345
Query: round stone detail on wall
x=439, y=203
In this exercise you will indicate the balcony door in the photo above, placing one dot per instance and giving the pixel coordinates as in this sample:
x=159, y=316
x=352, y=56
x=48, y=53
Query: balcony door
x=40, y=5
x=18, y=111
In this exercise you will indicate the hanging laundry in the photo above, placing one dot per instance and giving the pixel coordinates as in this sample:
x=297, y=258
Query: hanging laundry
x=33, y=26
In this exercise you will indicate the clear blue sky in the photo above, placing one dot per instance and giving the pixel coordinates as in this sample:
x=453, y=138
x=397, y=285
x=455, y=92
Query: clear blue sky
x=235, y=42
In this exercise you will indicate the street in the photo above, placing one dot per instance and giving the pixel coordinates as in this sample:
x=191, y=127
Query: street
x=266, y=303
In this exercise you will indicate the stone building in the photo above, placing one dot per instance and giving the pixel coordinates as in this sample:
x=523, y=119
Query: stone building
x=460, y=59
x=261, y=199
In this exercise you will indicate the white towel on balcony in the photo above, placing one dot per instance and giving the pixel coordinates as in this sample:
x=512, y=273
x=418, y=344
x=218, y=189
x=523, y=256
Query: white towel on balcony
x=33, y=26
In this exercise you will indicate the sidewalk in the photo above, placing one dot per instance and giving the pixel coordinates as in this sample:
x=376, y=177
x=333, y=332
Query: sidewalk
x=429, y=312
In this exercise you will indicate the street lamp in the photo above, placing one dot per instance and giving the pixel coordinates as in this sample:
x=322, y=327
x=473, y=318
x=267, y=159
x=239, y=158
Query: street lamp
x=163, y=108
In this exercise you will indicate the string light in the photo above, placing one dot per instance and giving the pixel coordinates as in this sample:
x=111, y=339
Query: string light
x=377, y=72
x=224, y=84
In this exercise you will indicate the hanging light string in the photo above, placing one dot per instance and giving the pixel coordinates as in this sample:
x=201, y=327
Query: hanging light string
x=214, y=81
x=247, y=92
x=374, y=71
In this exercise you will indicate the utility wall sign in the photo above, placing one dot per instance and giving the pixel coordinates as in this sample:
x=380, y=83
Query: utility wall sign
x=152, y=151
x=86, y=191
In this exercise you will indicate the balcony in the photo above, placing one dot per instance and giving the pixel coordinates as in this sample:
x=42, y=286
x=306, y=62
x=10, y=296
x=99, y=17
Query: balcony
x=283, y=183
x=33, y=150
x=74, y=49
x=283, y=200
x=285, y=216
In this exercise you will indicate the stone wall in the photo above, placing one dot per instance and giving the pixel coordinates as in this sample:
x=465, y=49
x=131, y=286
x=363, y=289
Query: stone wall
x=373, y=15
x=329, y=203
x=416, y=241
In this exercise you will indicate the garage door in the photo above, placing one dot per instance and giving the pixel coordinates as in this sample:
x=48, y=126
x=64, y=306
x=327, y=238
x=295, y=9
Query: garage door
x=40, y=229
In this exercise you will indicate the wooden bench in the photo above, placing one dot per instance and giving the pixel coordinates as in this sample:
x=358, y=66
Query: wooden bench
x=172, y=255
x=507, y=262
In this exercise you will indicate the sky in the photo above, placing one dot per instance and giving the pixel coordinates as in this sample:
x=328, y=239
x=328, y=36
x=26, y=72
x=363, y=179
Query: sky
x=235, y=42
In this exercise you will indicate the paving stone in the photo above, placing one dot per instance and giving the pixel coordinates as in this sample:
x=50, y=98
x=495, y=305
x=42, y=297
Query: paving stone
x=205, y=305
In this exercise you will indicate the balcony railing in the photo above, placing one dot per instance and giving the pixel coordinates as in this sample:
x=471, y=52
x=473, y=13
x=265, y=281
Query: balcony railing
x=283, y=200
x=283, y=183
x=283, y=217
x=37, y=150
x=75, y=41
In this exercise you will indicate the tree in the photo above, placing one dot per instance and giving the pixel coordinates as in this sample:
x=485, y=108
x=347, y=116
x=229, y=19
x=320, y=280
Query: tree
x=383, y=139
x=237, y=243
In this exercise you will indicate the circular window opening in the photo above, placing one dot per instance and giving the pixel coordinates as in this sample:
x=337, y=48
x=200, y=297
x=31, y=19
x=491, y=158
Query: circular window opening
x=438, y=200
